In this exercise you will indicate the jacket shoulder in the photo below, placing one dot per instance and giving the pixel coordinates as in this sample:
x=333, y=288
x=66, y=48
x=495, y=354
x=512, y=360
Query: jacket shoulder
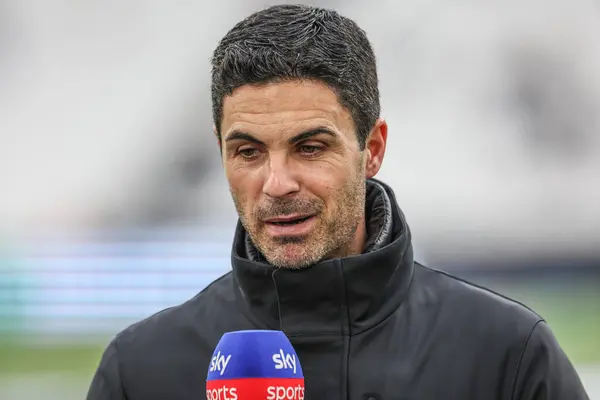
x=138, y=360
x=472, y=302
x=197, y=315
x=523, y=357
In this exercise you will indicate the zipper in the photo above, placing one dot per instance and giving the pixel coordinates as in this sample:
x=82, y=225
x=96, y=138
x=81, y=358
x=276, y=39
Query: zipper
x=345, y=332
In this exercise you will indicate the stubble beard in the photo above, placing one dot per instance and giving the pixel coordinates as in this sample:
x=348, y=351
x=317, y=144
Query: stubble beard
x=330, y=238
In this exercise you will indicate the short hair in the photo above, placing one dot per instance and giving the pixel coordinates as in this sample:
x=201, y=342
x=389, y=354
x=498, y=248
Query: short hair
x=289, y=42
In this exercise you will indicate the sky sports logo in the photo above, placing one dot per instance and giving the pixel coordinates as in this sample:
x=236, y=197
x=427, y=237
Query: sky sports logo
x=285, y=392
x=255, y=389
x=223, y=392
x=219, y=363
x=235, y=380
x=284, y=361
x=281, y=360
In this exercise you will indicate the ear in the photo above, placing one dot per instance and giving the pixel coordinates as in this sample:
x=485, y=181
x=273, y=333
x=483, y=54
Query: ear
x=217, y=136
x=375, y=148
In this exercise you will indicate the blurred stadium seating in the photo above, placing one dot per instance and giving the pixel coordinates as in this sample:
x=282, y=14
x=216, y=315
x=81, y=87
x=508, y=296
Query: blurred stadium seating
x=114, y=204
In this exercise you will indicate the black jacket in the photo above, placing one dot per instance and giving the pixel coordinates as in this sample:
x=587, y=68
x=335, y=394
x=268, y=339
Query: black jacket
x=375, y=326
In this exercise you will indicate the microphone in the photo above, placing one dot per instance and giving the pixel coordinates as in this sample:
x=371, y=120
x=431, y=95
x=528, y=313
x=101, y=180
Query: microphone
x=254, y=364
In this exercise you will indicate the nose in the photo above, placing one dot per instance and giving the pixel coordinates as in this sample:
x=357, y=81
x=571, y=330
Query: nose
x=281, y=180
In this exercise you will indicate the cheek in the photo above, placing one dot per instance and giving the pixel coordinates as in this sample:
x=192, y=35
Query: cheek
x=244, y=186
x=327, y=187
x=327, y=179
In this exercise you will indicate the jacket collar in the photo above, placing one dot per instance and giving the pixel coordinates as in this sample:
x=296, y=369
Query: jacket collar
x=342, y=296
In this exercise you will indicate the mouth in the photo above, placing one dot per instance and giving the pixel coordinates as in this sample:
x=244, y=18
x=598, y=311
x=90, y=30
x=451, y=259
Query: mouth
x=288, y=220
x=289, y=226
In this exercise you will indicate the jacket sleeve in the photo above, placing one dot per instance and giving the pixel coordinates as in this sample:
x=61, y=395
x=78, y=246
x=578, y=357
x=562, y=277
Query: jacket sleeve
x=545, y=372
x=106, y=383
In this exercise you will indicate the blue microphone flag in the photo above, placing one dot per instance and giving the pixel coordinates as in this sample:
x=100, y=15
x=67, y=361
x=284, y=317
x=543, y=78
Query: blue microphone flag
x=255, y=364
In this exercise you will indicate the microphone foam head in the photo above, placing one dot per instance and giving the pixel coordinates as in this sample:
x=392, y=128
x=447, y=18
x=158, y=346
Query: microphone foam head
x=254, y=364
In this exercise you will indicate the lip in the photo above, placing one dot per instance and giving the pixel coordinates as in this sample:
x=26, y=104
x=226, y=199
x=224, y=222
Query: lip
x=287, y=218
x=300, y=229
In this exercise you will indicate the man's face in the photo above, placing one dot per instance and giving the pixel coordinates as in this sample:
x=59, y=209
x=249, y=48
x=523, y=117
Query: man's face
x=295, y=170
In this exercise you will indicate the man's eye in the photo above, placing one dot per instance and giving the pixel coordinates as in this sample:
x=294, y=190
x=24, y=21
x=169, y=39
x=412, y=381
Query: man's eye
x=310, y=150
x=248, y=153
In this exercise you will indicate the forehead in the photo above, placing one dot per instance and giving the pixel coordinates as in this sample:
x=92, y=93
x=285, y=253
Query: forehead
x=284, y=105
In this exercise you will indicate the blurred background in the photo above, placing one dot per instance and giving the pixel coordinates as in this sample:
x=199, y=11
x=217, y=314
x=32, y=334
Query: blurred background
x=113, y=203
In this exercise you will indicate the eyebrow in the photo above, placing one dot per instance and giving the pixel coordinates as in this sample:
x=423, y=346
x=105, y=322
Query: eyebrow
x=240, y=135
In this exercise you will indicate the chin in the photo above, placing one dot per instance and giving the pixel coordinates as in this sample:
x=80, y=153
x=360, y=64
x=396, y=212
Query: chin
x=290, y=256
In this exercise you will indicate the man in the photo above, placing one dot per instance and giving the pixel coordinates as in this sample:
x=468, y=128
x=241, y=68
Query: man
x=322, y=250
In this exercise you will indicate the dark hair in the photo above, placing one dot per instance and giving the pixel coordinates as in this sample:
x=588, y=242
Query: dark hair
x=288, y=42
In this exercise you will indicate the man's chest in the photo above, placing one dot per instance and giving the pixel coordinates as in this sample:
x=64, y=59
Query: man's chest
x=345, y=368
